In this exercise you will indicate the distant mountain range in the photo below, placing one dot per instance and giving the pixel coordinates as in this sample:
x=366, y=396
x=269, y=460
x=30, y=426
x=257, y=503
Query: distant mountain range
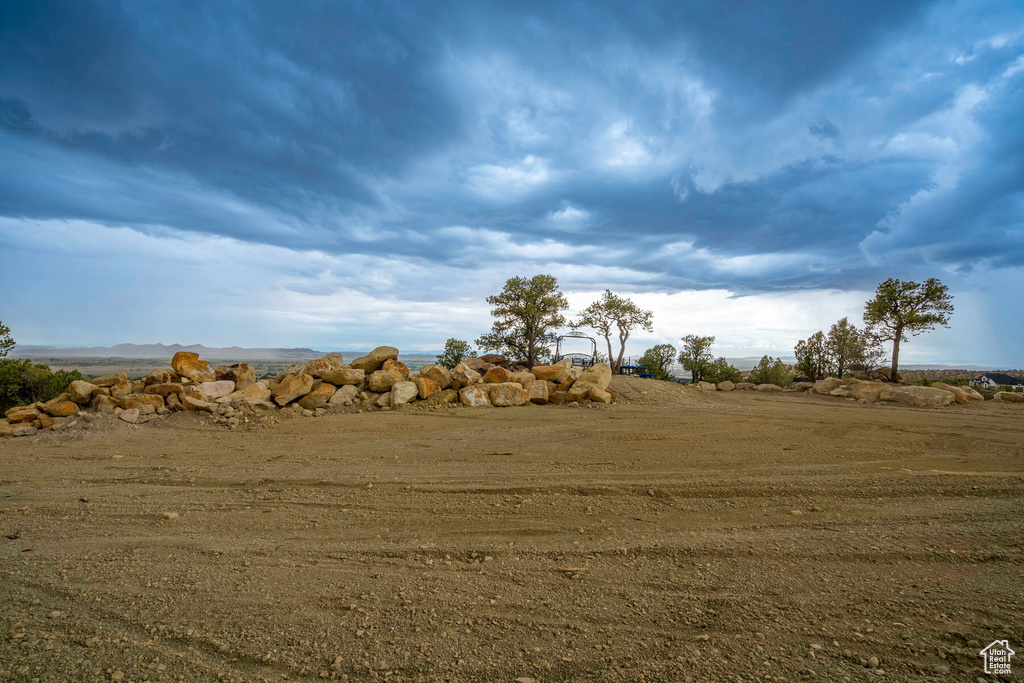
x=166, y=351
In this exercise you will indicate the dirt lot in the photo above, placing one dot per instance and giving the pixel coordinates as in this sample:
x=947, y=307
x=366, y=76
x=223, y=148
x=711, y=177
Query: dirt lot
x=676, y=537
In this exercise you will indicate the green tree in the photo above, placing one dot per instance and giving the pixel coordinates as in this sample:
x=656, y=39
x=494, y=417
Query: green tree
x=527, y=313
x=721, y=370
x=813, y=359
x=658, y=359
x=851, y=349
x=614, y=314
x=696, y=355
x=455, y=351
x=901, y=308
x=23, y=382
x=6, y=340
x=771, y=371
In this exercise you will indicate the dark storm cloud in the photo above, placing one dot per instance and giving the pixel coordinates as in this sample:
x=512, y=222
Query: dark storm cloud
x=749, y=146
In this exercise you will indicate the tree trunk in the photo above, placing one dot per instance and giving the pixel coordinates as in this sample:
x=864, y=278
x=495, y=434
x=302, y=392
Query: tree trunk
x=608, y=338
x=896, y=353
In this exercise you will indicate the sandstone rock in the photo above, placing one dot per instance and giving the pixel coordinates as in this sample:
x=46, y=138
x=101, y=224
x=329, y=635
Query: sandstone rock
x=523, y=377
x=395, y=365
x=443, y=397
x=173, y=402
x=138, y=401
x=923, y=397
x=827, y=385
x=6, y=429
x=882, y=374
x=726, y=386
x=211, y=391
x=403, y=392
x=242, y=374
x=318, y=398
x=506, y=394
x=164, y=389
x=495, y=359
x=768, y=387
x=383, y=401
x=193, y=403
x=551, y=373
x=599, y=395
x=343, y=376
x=187, y=364
x=374, y=360
x=22, y=414
x=61, y=407
x=705, y=386
x=574, y=374
x=438, y=373
x=800, y=387
x=138, y=386
x=102, y=403
x=565, y=363
x=45, y=422
x=497, y=375
x=959, y=394
x=161, y=376
x=578, y=392
x=345, y=396
x=425, y=386
x=382, y=380
x=862, y=376
x=975, y=396
x=478, y=364
x=475, y=395
x=110, y=380
x=122, y=389
x=537, y=391
x=254, y=393
x=597, y=375
x=558, y=395
x=292, y=388
x=317, y=366
x=866, y=390
x=840, y=392
x=1009, y=396
x=129, y=416
x=368, y=397
x=81, y=392
x=23, y=430
x=464, y=376
x=745, y=386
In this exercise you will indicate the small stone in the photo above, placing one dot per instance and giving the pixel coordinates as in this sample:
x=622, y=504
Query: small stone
x=170, y=515
x=130, y=416
x=873, y=662
x=703, y=638
x=941, y=668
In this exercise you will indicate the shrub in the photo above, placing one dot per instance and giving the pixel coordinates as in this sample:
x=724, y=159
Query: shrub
x=771, y=371
x=23, y=382
x=721, y=371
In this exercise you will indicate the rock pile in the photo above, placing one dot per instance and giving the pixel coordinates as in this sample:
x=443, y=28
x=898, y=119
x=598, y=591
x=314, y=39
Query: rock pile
x=377, y=380
x=872, y=391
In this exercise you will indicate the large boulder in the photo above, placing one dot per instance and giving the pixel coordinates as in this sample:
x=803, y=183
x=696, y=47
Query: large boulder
x=253, y=394
x=827, y=386
x=318, y=398
x=102, y=403
x=374, y=360
x=396, y=366
x=495, y=359
x=242, y=374
x=110, y=380
x=745, y=386
x=464, y=376
x=865, y=390
x=187, y=364
x=800, y=387
x=537, y=391
x=726, y=386
x=146, y=404
x=161, y=376
x=474, y=396
x=425, y=386
x=61, y=406
x=211, y=391
x=524, y=377
x=438, y=373
x=705, y=386
x=195, y=404
x=382, y=380
x=317, y=366
x=478, y=364
x=81, y=392
x=507, y=394
x=443, y=397
x=597, y=375
x=1009, y=396
x=291, y=388
x=122, y=389
x=497, y=375
x=344, y=396
x=959, y=395
x=598, y=395
x=768, y=387
x=164, y=390
x=343, y=376
x=882, y=375
x=923, y=397
x=551, y=373
x=403, y=392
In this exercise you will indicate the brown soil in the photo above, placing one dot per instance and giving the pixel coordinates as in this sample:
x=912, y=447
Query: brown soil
x=677, y=536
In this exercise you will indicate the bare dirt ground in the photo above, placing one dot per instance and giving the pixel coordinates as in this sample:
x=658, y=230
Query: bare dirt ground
x=676, y=537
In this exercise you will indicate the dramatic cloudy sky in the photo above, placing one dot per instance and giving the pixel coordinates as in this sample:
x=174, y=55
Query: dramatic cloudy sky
x=342, y=175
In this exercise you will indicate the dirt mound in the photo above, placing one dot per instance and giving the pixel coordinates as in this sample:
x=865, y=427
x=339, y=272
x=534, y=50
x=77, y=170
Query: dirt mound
x=639, y=391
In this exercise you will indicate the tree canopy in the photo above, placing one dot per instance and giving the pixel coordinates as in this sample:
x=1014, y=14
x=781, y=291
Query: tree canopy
x=658, y=359
x=6, y=340
x=455, y=351
x=901, y=308
x=695, y=355
x=527, y=313
x=614, y=314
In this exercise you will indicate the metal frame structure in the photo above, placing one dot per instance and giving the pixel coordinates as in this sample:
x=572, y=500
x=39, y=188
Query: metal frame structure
x=580, y=360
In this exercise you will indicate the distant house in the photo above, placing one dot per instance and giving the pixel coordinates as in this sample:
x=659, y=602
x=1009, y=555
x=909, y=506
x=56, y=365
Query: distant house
x=991, y=380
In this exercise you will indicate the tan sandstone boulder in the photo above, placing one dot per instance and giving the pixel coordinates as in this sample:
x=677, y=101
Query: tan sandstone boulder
x=537, y=391
x=474, y=396
x=597, y=375
x=745, y=386
x=382, y=380
x=110, y=380
x=704, y=386
x=497, y=375
x=598, y=395
x=258, y=392
x=81, y=392
x=524, y=377
x=1009, y=396
x=343, y=376
x=464, y=376
x=827, y=386
x=61, y=406
x=868, y=390
x=344, y=396
x=146, y=404
x=164, y=390
x=318, y=398
x=768, y=387
x=161, y=376
x=211, y=391
x=404, y=392
x=374, y=360
x=960, y=395
x=437, y=373
x=292, y=388
x=102, y=403
x=551, y=373
x=726, y=386
x=425, y=386
x=800, y=387
x=187, y=364
x=507, y=394
x=242, y=374
x=396, y=366
x=923, y=397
